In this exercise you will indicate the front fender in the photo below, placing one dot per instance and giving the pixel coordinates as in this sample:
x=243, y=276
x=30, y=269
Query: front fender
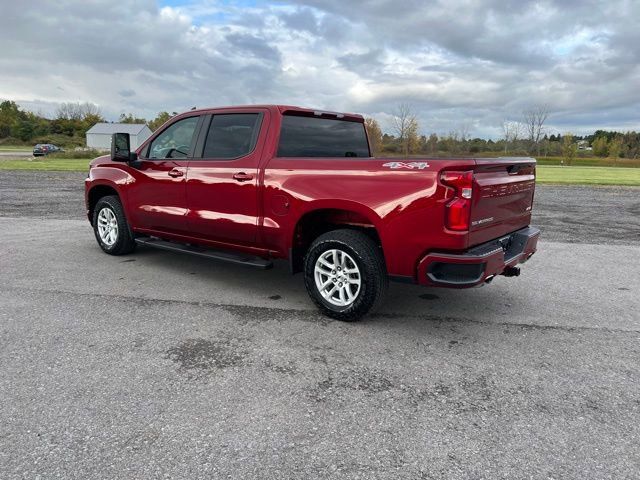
x=111, y=177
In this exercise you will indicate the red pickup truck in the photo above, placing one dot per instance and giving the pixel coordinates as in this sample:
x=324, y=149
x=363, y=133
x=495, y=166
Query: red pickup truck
x=255, y=183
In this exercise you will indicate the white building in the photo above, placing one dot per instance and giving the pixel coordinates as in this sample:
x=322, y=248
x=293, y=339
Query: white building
x=99, y=136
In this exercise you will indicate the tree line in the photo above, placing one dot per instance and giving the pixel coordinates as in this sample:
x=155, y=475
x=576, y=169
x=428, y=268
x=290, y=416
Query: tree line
x=68, y=127
x=526, y=136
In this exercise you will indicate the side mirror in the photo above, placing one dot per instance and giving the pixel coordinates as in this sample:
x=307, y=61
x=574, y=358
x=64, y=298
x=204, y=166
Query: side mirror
x=121, y=147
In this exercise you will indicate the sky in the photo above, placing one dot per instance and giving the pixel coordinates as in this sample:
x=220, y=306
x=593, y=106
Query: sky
x=460, y=64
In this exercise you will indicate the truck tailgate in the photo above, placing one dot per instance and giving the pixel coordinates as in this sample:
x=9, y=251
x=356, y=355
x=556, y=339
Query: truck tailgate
x=503, y=197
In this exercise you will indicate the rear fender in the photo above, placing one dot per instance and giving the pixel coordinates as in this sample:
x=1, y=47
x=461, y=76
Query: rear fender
x=347, y=213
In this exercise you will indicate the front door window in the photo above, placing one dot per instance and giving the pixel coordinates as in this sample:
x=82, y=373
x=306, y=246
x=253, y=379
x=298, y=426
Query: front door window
x=175, y=141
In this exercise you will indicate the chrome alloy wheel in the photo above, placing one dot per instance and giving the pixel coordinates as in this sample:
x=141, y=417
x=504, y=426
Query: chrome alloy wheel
x=337, y=277
x=108, y=226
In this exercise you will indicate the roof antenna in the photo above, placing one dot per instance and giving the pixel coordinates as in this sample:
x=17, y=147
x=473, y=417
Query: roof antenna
x=193, y=108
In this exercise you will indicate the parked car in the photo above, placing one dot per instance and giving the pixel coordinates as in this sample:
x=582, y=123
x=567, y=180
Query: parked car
x=251, y=184
x=45, y=149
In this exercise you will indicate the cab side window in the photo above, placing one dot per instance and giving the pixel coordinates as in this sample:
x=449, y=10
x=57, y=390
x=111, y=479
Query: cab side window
x=175, y=141
x=231, y=135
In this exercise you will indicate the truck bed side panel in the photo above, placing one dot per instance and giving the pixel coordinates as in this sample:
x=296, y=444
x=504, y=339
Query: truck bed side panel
x=405, y=205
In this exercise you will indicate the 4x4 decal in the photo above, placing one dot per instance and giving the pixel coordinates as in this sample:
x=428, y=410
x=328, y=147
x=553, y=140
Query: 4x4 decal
x=409, y=165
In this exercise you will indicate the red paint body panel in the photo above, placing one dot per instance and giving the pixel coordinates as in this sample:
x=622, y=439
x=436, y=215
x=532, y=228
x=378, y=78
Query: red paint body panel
x=254, y=203
x=405, y=207
x=156, y=200
x=221, y=207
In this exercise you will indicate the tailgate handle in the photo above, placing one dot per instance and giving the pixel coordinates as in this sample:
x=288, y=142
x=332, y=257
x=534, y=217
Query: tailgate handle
x=513, y=169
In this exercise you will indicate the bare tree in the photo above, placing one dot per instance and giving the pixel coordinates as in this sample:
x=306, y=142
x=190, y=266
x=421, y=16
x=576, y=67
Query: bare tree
x=449, y=142
x=534, y=119
x=405, y=125
x=463, y=132
x=90, y=110
x=432, y=144
x=77, y=111
x=511, y=132
x=461, y=135
x=68, y=111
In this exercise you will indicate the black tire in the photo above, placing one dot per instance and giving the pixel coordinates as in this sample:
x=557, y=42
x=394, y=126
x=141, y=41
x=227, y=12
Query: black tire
x=124, y=242
x=373, y=273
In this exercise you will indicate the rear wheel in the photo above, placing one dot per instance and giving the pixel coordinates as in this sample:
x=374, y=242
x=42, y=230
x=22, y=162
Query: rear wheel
x=345, y=274
x=111, y=228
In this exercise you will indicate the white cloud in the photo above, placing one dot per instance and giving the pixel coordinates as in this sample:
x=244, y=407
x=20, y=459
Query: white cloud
x=457, y=62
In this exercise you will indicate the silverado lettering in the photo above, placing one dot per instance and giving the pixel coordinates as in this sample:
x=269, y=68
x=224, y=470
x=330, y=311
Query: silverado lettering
x=508, y=189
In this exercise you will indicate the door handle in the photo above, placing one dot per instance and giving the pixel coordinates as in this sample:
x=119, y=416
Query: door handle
x=242, y=177
x=176, y=173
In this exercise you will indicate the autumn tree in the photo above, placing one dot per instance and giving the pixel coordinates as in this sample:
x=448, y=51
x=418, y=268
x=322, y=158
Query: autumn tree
x=131, y=119
x=631, y=144
x=569, y=148
x=600, y=146
x=406, y=127
x=159, y=120
x=449, y=143
x=615, y=147
x=374, y=132
x=431, y=145
x=412, y=142
x=10, y=114
x=90, y=120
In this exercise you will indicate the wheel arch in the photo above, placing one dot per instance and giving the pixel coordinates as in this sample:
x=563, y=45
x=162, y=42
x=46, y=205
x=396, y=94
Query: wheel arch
x=98, y=191
x=321, y=218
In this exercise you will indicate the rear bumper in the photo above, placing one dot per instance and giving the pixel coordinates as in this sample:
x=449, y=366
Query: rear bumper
x=479, y=264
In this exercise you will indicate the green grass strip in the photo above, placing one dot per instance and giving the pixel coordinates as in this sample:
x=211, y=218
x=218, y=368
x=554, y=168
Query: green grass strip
x=44, y=164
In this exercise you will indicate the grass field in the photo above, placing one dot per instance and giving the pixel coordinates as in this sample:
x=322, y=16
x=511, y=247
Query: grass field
x=47, y=164
x=588, y=175
x=546, y=173
x=591, y=161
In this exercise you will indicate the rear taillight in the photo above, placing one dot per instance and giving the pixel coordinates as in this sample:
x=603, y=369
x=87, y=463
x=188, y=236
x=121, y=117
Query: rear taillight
x=458, y=209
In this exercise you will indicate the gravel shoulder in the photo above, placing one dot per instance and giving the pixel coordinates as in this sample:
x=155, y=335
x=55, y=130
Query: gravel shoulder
x=572, y=214
x=581, y=214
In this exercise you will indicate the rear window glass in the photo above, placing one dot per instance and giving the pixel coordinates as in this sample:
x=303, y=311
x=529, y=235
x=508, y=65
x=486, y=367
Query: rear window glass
x=232, y=135
x=321, y=137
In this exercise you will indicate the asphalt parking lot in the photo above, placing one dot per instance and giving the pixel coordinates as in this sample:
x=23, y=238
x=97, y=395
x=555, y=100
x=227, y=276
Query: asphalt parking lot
x=158, y=365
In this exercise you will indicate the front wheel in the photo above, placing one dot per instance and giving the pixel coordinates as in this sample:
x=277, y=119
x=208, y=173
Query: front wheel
x=345, y=274
x=111, y=228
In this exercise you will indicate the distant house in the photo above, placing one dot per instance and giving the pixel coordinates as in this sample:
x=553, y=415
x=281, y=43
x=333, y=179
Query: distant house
x=583, y=145
x=99, y=136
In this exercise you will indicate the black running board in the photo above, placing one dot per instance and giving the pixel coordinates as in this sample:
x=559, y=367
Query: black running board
x=224, y=256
